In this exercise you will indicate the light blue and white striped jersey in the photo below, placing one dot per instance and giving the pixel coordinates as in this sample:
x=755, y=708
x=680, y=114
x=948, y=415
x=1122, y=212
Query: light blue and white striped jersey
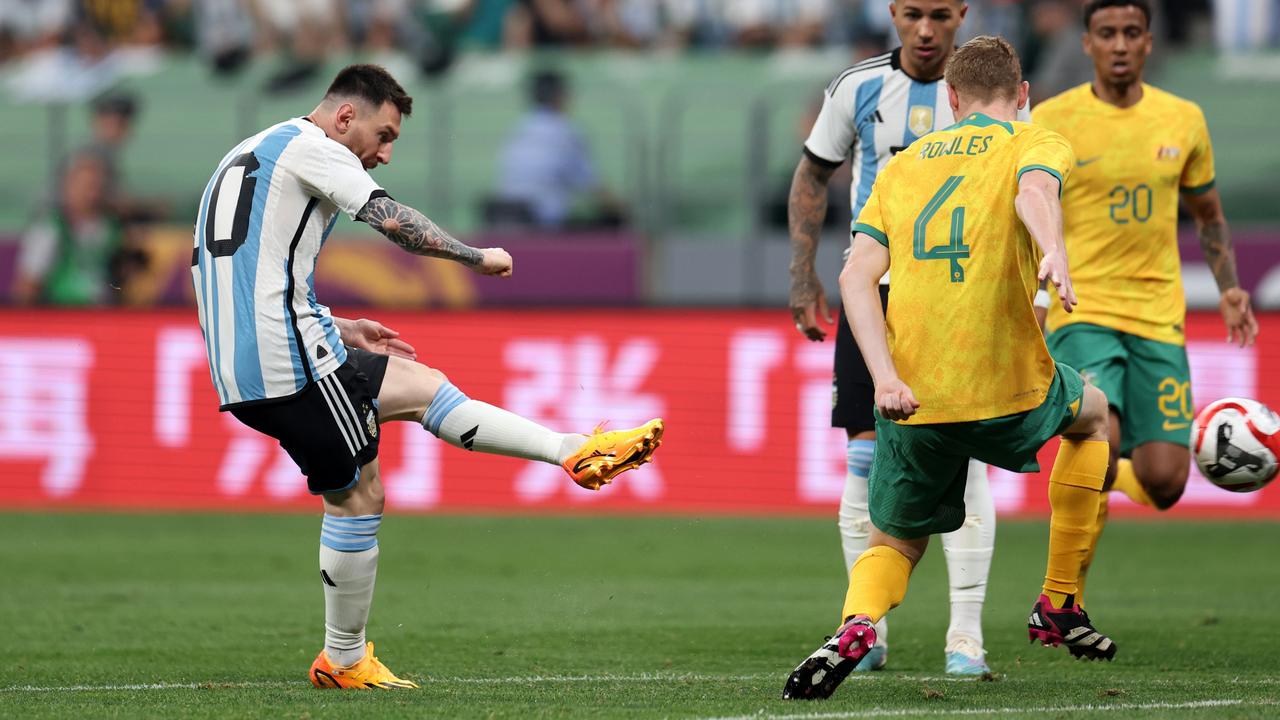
x=264, y=217
x=871, y=111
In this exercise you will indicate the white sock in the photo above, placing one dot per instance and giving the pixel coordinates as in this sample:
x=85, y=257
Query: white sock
x=474, y=425
x=855, y=518
x=348, y=568
x=968, y=552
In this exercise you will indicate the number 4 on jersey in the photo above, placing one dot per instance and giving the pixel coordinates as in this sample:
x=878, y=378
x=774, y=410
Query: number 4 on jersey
x=955, y=250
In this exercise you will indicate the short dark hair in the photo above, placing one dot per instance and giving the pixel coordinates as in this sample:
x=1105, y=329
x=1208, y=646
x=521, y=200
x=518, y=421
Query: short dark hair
x=547, y=87
x=373, y=84
x=984, y=68
x=1096, y=5
x=116, y=103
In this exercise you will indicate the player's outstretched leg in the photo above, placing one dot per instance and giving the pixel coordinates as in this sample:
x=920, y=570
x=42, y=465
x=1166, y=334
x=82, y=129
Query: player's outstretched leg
x=414, y=391
x=1075, y=485
x=968, y=552
x=877, y=584
x=854, y=521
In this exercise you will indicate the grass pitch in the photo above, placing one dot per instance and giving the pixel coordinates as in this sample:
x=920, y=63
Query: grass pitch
x=220, y=616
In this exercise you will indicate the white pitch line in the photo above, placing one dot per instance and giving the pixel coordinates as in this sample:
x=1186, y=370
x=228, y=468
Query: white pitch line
x=512, y=680
x=943, y=712
x=547, y=679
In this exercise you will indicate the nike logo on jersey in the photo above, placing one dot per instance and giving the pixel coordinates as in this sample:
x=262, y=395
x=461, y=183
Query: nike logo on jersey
x=1170, y=426
x=1090, y=161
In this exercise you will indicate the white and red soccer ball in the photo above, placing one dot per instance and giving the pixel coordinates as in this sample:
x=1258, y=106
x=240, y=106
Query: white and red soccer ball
x=1235, y=442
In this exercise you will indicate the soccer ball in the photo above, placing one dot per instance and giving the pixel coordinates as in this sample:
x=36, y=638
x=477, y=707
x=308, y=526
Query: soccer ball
x=1235, y=442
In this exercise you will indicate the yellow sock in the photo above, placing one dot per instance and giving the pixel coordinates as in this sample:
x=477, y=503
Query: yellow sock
x=877, y=583
x=1099, y=523
x=1075, y=486
x=1127, y=483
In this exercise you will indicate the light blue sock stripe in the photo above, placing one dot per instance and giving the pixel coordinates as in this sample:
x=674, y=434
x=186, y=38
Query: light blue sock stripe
x=858, y=456
x=350, y=534
x=447, y=398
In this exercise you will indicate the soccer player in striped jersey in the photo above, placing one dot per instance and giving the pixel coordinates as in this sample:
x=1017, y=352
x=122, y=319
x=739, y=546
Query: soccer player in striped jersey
x=1138, y=150
x=963, y=218
x=321, y=385
x=869, y=112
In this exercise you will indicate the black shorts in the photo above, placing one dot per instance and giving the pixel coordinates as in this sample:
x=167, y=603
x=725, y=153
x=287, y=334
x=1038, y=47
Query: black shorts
x=330, y=429
x=853, y=395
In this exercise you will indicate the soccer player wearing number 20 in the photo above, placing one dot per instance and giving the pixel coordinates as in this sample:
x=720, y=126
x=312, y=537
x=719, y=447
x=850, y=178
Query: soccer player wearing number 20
x=962, y=218
x=283, y=365
x=1137, y=149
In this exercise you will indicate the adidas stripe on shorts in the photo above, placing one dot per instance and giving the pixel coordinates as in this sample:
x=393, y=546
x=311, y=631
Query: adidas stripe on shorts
x=330, y=428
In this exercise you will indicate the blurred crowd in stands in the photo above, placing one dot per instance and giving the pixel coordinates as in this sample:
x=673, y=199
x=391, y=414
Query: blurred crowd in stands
x=229, y=32
x=82, y=244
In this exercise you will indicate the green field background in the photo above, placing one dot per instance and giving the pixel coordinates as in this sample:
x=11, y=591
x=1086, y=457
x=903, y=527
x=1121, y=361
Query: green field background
x=649, y=617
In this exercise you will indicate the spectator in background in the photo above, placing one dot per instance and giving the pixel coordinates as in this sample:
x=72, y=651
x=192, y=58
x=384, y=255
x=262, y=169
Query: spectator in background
x=770, y=23
x=224, y=33
x=1243, y=26
x=124, y=22
x=546, y=23
x=32, y=25
x=1059, y=64
x=78, y=252
x=545, y=166
x=308, y=28
x=111, y=126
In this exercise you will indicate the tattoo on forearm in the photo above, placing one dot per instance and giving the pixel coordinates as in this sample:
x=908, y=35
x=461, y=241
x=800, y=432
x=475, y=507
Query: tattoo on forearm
x=806, y=209
x=414, y=232
x=1215, y=243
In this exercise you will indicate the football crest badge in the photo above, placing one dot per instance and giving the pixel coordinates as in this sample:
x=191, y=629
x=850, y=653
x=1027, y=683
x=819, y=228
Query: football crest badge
x=920, y=120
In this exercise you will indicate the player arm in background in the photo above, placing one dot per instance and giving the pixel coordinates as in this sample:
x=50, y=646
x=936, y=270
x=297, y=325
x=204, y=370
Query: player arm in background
x=415, y=232
x=1215, y=238
x=824, y=150
x=860, y=292
x=806, y=209
x=1040, y=210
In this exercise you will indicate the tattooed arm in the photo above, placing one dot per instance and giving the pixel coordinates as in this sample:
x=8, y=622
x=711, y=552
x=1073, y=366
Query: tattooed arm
x=806, y=209
x=415, y=232
x=1215, y=243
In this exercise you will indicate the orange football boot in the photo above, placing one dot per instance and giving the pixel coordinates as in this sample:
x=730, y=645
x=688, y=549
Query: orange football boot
x=368, y=674
x=605, y=455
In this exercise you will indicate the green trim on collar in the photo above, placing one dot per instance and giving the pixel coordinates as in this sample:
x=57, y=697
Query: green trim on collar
x=980, y=120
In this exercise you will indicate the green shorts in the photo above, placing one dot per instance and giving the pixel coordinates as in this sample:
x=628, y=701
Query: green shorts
x=1147, y=382
x=918, y=476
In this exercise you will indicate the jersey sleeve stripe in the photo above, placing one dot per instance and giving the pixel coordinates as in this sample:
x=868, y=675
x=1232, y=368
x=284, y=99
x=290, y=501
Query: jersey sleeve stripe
x=874, y=63
x=819, y=160
x=874, y=232
x=1045, y=168
x=1199, y=189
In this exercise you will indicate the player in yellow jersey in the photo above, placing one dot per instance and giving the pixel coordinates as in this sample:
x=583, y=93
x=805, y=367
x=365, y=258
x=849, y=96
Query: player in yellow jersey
x=1138, y=149
x=962, y=217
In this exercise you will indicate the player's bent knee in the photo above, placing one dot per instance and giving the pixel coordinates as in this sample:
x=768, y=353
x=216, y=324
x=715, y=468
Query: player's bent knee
x=1164, y=481
x=1165, y=496
x=1092, y=422
x=366, y=498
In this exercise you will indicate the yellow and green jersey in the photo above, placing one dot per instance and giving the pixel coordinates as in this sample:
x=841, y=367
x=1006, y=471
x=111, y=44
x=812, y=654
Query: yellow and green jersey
x=961, y=327
x=1120, y=210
